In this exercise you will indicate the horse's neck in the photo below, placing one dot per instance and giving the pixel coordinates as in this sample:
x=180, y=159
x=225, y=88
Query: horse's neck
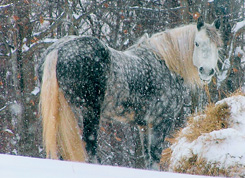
x=176, y=48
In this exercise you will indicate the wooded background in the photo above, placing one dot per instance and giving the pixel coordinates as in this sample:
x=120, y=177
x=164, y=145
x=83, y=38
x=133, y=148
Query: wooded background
x=28, y=27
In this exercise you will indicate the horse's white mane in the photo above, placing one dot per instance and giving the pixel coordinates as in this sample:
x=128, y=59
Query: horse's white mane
x=176, y=47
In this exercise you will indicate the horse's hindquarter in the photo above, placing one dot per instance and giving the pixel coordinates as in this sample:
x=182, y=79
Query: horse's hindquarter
x=82, y=67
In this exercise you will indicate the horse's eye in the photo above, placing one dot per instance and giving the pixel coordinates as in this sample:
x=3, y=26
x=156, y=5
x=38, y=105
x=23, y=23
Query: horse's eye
x=196, y=44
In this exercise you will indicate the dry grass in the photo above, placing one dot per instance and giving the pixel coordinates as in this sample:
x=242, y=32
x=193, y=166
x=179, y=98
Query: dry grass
x=238, y=92
x=165, y=159
x=215, y=118
x=197, y=165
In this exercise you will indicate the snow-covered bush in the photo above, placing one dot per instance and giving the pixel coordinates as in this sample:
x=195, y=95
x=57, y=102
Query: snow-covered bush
x=212, y=143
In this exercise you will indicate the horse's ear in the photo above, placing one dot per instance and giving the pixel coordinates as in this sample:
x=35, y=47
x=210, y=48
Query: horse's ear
x=200, y=23
x=216, y=23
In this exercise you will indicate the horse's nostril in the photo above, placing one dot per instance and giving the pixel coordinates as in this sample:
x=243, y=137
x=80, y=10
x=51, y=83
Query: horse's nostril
x=201, y=70
x=211, y=72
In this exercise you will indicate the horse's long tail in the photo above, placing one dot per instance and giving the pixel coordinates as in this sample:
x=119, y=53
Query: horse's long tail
x=60, y=128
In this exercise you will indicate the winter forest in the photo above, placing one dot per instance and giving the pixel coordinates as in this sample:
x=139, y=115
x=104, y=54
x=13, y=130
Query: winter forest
x=29, y=27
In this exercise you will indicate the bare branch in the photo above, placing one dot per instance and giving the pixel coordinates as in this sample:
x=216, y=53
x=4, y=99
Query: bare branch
x=43, y=34
x=4, y=57
x=35, y=47
x=83, y=16
x=7, y=5
x=233, y=41
x=137, y=8
x=5, y=43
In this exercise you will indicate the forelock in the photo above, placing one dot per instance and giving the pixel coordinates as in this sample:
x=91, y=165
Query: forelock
x=214, y=35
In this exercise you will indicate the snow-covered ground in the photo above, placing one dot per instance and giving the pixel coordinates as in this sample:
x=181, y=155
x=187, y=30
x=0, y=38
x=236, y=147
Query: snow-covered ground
x=25, y=167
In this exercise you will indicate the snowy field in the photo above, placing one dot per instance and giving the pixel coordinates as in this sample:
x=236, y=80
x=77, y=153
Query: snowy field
x=24, y=167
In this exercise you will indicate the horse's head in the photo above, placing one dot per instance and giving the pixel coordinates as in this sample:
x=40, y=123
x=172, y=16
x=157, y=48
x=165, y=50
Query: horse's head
x=206, y=45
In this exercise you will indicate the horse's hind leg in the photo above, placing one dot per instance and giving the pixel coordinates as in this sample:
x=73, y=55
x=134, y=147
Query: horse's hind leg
x=81, y=71
x=91, y=123
x=145, y=133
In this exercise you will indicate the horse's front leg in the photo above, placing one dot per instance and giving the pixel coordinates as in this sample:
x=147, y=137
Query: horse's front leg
x=119, y=139
x=145, y=133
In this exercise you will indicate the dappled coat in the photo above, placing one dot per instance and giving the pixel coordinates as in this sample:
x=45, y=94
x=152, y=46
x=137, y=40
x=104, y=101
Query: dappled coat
x=126, y=102
x=143, y=102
